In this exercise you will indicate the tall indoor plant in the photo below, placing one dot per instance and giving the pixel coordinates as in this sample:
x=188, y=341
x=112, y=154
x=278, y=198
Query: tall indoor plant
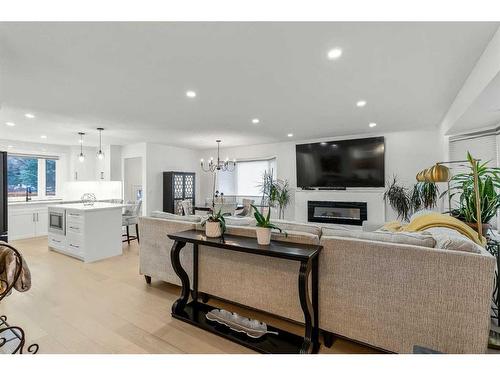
x=462, y=186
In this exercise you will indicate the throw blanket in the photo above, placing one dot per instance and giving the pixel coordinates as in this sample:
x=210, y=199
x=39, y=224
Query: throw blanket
x=8, y=269
x=424, y=222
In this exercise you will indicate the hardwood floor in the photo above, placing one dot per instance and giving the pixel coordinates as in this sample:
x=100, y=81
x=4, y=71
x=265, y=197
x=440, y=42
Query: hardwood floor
x=107, y=307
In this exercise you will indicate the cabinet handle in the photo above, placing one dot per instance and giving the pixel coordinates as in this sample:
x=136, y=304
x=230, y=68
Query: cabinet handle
x=37, y=216
x=33, y=219
x=74, y=228
x=54, y=240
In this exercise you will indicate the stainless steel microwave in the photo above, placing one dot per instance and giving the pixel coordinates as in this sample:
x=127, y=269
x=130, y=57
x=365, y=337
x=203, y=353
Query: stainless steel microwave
x=57, y=220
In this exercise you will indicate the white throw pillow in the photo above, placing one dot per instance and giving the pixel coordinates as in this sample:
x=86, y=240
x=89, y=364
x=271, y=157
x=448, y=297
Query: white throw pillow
x=450, y=239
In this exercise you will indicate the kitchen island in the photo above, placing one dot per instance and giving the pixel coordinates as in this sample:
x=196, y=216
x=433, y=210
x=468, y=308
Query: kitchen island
x=88, y=233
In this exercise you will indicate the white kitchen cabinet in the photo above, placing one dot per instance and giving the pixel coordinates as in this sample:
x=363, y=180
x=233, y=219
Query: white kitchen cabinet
x=82, y=171
x=27, y=221
x=92, y=232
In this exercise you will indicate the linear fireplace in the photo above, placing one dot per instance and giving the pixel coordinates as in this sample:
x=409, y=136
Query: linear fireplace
x=351, y=213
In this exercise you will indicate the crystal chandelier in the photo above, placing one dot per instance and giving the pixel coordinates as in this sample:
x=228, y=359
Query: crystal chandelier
x=219, y=165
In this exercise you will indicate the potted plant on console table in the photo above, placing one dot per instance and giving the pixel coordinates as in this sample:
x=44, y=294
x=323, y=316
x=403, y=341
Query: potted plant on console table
x=215, y=225
x=264, y=226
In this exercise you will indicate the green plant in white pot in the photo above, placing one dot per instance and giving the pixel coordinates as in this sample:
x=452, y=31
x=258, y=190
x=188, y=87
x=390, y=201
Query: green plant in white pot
x=215, y=225
x=264, y=226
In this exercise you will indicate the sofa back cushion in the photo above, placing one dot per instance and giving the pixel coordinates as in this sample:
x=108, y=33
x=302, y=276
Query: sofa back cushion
x=169, y=216
x=295, y=226
x=406, y=238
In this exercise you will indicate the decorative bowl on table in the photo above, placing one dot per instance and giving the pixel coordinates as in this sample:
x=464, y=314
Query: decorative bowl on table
x=88, y=199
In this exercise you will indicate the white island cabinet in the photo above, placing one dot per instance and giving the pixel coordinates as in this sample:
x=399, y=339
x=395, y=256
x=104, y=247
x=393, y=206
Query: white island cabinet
x=90, y=233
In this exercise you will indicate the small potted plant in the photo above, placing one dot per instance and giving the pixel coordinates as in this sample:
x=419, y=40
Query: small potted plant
x=215, y=225
x=264, y=226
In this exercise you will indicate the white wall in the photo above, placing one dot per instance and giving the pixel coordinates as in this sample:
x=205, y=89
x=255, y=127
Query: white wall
x=162, y=158
x=137, y=150
x=132, y=177
x=406, y=154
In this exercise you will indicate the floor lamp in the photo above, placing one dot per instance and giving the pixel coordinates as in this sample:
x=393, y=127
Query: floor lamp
x=441, y=173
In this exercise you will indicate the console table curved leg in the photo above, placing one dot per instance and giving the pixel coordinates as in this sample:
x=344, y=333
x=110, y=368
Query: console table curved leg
x=179, y=305
x=305, y=303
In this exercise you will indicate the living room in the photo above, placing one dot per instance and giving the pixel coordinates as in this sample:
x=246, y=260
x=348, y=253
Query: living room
x=322, y=187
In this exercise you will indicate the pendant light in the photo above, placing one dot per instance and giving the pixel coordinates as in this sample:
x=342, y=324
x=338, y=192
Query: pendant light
x=81, y=157
x=100, y=154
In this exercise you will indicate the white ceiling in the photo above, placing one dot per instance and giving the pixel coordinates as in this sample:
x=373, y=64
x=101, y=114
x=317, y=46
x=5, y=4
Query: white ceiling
x=131, y=79
x=484, y=112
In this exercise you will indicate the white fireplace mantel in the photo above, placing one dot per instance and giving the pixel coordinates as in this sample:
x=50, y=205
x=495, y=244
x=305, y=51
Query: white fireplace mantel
x=372, y=197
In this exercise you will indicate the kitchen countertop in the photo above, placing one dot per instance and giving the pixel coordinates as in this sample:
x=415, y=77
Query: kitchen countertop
x=97, y=206
x=47, y=201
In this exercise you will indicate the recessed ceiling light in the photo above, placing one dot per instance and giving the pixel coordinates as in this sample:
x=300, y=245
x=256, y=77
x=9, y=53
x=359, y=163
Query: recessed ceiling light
x=290, y=134
x=190, y=94
x=10, y=146
x=10, y=123
x=43, y=136
x=334, y=53
x=29, y=115
x=361, y=103
x=372, y=124
x=255, y=121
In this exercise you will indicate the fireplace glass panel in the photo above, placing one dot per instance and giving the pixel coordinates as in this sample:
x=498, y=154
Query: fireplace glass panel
x=337, y=213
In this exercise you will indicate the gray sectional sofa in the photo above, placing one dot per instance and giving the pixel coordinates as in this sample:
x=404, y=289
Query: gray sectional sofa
x=385, y=294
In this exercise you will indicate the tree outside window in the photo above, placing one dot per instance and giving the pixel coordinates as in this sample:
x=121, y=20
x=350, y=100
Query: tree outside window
x=36, y=174
x=22, y=174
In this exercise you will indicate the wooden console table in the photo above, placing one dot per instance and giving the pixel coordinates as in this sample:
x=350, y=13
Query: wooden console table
x=194, y=311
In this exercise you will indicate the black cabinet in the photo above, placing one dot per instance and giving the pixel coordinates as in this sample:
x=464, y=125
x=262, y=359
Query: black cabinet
x=177, y=186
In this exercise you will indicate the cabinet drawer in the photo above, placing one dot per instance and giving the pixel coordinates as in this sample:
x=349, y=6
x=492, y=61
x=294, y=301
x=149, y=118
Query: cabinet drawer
x=74, y=227
x=75, y=239
x=75, y=249
x=57, y=242
x=74, y=217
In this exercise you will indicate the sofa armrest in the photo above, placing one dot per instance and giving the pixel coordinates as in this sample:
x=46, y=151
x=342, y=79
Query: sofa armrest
x=155, y=246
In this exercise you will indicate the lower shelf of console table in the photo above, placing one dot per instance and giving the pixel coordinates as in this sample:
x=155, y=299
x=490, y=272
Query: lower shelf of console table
x=282, y=343
x=194, y=311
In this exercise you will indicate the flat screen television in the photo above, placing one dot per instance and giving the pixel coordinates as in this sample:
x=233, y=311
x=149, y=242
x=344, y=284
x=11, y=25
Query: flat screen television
x=346, y=163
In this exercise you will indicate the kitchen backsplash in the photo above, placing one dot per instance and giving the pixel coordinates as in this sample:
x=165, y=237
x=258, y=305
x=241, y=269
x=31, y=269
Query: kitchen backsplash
x=73, y=190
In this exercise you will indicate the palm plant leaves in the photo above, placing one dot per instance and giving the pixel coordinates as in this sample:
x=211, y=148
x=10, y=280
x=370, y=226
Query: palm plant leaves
x=462, y=186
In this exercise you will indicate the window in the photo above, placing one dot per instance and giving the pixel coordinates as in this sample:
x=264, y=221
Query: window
x=246, y=179
x=34, y=174
x=50, y=177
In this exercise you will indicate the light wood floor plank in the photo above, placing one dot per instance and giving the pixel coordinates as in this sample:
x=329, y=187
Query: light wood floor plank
x=106, y=307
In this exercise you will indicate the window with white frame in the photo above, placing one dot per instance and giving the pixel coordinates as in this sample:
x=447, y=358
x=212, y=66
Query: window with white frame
x=33, y=173
x=246, y=179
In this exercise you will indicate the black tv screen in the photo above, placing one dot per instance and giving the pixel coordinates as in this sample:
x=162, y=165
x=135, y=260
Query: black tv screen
x=347, y=163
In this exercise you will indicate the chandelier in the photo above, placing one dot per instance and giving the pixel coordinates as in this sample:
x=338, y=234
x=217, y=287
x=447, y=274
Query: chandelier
x=219, y=165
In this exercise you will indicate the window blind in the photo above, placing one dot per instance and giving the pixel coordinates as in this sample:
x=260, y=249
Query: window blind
x=482, y=147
